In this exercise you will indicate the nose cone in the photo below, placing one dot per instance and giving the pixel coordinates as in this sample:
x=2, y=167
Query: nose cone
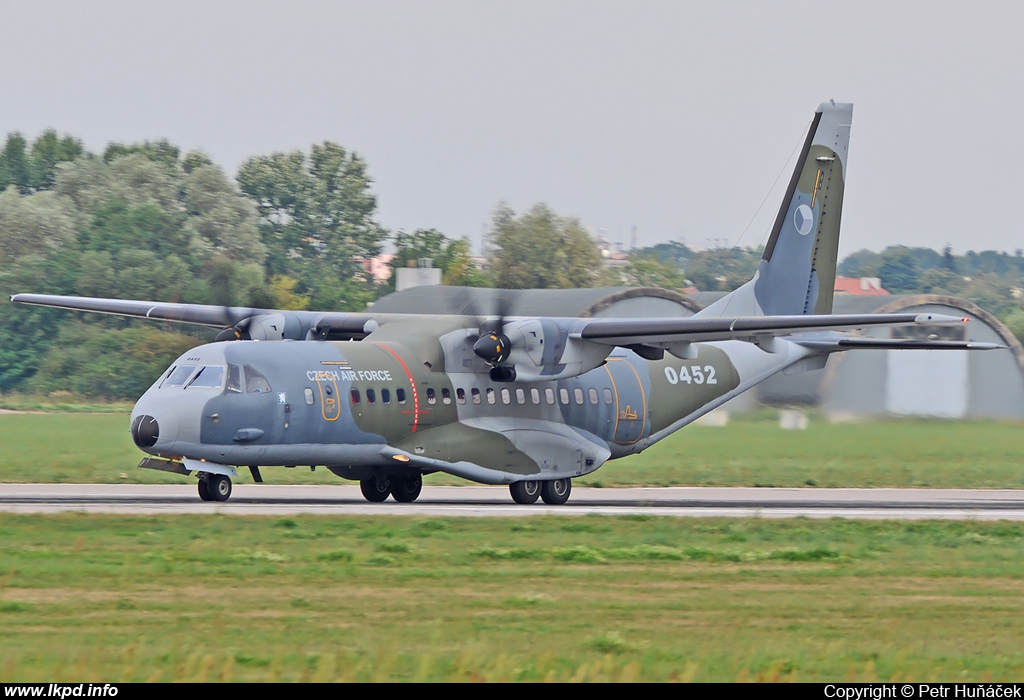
x=145, y=431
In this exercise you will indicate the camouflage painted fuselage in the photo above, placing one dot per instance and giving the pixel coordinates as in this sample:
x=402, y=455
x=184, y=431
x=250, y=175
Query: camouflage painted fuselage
x=365, y=407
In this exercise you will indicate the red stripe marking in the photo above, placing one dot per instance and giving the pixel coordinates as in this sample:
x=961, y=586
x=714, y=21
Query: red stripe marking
x=412, y=383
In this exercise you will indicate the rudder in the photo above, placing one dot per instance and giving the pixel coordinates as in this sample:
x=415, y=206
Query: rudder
x=797, y=270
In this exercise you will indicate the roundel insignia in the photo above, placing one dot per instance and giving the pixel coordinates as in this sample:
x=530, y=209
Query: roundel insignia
x=803, y=219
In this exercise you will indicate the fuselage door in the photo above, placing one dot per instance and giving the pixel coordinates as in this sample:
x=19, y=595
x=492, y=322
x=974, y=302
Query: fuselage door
x=630, y=401
x=330, y=400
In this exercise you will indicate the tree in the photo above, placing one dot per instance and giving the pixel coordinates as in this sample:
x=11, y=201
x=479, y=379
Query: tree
x=542, y=250
x=722, y=269
x=899, y=270
x=863, y=263
x=48, y=151
x=316, y=221
x=948, y=261
x=162, y=152
x=15, y=167
x=449, y=255
x=649, y=271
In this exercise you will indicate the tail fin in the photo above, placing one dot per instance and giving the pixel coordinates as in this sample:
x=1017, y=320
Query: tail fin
x=797, y=271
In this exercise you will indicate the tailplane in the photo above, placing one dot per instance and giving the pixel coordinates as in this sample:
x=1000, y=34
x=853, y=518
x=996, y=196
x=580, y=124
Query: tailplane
x=798, y=269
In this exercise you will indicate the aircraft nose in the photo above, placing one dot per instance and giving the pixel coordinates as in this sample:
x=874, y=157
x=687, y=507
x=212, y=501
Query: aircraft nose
x=145, y=431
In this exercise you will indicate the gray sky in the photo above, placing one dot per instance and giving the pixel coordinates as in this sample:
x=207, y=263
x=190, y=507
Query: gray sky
x=674, y=117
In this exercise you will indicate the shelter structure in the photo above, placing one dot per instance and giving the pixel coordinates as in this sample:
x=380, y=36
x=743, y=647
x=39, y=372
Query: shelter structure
x=643, y=302
x=939, y=383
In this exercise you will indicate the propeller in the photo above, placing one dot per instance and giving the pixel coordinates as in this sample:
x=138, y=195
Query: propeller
x=492, y=345
x=237, y=325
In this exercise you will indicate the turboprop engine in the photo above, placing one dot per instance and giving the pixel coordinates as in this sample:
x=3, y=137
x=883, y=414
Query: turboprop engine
x=529, y=350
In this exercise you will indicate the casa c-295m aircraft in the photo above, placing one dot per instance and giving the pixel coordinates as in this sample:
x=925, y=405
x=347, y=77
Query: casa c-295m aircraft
x=528, y=402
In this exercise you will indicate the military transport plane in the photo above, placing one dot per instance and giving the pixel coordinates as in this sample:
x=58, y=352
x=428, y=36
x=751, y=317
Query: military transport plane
x=528, y=402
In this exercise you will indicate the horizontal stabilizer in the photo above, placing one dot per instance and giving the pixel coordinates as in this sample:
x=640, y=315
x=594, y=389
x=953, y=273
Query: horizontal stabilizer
x=845, y=343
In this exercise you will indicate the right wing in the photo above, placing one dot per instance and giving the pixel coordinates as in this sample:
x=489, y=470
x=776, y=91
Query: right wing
x=238, y=321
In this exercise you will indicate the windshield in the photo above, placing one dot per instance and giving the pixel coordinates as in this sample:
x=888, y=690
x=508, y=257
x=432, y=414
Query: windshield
x=211, y=377
x=178, y=375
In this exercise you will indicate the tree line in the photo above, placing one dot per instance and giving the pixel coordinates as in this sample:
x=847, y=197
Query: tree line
x=293, y=231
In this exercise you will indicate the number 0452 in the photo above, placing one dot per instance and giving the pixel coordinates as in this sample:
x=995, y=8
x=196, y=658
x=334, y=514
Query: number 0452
x=694, y=374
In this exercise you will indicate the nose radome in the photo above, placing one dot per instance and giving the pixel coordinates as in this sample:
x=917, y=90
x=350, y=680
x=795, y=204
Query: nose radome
x=145, y=431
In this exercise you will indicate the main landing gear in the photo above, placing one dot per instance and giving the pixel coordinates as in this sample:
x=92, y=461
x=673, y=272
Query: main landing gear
x=214, y=487
x=554, y=493
x=404, y=489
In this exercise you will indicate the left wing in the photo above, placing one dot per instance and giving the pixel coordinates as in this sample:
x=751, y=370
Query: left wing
x=661, y=331
x=650, y=338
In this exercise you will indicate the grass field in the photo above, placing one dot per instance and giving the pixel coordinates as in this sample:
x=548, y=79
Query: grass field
x=88, y=448
x=216, y=597
x=103, y=598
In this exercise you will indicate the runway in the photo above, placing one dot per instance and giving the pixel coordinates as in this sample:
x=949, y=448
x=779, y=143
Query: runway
x=494, y=501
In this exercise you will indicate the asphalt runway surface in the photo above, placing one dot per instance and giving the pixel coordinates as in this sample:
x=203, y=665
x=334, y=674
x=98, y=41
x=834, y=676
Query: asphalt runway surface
x=491, y=501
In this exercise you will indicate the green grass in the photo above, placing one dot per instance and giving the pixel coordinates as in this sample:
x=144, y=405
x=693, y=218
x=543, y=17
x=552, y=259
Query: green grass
x=60, y=402
x=103, y=598
x=66, y=447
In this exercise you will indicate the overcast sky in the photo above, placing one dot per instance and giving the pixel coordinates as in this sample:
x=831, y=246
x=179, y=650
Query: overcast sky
x=675, y=117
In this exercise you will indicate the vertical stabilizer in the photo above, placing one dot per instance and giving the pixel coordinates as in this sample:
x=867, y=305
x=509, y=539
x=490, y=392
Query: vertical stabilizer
x=798, y=269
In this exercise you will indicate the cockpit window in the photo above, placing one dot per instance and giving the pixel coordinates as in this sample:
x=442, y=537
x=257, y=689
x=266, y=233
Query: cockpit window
x=179, y=374
x=255, y=383
x=234, y=379
x=209, y=377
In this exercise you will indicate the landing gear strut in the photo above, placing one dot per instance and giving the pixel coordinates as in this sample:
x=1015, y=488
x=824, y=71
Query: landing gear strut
x=214, y=487
x=525, y=492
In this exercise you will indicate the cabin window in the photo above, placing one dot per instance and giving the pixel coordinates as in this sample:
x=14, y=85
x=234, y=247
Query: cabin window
x=593, y=396
x=549, y=396
x=563, y=396
x=446, y=396
x=520, y=397
x=578, y=395
x=234, y=379
x=431, y=396
x=385, y=395
x=506, y=396
x=211, y=377
x=308, y=393
x=355, y=396
x=476, y=396
x=490, y=396
x=255, y=383
x=460, y=396
x=535, y=396
x=179, y=374
x=400, y=395
x=608, y=396
x=371, y=396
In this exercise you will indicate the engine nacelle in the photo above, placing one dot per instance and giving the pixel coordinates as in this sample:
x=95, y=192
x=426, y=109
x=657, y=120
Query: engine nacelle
x=540, y=351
